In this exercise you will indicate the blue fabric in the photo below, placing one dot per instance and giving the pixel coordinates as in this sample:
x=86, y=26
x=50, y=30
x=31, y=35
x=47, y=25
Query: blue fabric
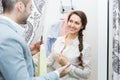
x=50, y=42
x=15, y=57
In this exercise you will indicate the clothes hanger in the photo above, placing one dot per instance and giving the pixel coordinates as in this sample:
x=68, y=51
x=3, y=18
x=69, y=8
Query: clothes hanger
x=63, y=9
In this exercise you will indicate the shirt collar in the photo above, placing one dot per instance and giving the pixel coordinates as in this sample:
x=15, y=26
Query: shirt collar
x=74, y=42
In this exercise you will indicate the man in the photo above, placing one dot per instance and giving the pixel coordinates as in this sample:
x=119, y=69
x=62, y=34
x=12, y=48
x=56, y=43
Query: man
x=15, y=57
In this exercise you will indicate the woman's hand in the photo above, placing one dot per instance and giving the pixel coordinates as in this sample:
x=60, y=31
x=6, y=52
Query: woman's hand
x=62, y=60
x=64, y=70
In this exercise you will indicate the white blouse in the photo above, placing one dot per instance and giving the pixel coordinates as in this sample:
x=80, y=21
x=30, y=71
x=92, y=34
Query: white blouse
x=71, y=52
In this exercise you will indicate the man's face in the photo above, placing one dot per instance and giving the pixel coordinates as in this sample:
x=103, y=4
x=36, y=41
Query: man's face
x=26, y=12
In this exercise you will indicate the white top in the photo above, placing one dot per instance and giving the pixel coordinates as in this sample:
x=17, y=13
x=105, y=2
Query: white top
x=71, y=52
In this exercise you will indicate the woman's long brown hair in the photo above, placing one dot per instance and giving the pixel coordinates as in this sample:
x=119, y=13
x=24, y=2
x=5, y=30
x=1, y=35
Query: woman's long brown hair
x=83, y=18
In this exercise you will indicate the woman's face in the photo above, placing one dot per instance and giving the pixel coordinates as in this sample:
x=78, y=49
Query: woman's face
x=74, y=24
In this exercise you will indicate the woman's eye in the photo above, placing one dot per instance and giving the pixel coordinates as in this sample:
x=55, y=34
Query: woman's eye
x=77, y=23
x=70, y=21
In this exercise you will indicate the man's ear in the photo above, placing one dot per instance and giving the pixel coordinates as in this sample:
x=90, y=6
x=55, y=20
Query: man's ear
x=20, y=6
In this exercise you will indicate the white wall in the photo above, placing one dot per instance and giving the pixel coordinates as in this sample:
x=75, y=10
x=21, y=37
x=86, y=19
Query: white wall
x=102, y=40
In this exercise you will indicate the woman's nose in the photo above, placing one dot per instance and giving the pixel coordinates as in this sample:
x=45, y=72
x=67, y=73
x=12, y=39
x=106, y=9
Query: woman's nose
x=72, y=24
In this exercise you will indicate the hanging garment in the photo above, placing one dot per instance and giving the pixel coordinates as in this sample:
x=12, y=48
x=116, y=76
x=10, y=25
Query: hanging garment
x=54, y=31
x=42, y=67
x=116, y=40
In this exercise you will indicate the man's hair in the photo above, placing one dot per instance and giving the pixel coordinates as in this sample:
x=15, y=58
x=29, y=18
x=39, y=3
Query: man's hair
x=8, y=5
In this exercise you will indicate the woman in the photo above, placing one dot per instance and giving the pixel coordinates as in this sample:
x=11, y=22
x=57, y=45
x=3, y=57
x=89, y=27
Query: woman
x=71, y=49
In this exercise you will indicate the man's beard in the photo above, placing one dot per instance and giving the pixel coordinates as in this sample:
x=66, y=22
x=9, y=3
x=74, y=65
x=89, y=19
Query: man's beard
x=23, y=19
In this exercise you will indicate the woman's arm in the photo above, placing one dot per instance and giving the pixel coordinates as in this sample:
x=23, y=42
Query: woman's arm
x=77, y=71
x=82, y=72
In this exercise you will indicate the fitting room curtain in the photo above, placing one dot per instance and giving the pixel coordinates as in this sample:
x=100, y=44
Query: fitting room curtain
x=116, y=40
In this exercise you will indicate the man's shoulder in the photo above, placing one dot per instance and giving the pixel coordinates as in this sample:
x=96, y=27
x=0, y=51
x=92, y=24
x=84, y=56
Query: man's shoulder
x=9, y=35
